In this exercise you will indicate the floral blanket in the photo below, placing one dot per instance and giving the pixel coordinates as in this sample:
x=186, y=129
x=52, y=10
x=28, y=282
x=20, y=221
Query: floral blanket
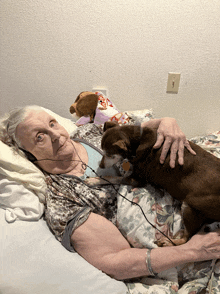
x=164, y=212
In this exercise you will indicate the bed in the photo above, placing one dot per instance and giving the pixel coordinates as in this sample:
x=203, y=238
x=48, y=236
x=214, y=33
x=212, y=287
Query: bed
x=33, y=261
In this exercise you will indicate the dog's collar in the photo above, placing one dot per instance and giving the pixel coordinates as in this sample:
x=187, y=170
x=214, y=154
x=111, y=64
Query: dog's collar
x=127, y=167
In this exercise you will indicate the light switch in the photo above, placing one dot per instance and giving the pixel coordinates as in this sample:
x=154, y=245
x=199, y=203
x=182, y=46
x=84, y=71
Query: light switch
x=173, y=82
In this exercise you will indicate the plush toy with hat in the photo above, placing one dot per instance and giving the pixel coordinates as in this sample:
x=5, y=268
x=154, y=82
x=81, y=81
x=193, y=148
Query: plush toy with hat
x=95, y=107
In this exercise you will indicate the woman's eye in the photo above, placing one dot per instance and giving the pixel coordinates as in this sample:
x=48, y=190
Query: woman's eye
x=52, y=124
x=40, y=138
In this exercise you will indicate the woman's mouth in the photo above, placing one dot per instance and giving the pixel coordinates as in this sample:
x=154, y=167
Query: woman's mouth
x=62, y=147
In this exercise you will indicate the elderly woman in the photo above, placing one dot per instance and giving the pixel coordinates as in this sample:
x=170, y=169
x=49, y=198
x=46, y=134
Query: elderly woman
x=84, y=219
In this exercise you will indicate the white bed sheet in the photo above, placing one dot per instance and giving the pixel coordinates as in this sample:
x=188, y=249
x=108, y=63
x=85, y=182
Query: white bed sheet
x=32, y=261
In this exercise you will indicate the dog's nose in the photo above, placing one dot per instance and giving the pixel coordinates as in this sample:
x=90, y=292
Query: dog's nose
x=102, y=165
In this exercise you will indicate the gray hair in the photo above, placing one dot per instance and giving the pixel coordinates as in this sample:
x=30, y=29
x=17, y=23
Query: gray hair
x=9, y=123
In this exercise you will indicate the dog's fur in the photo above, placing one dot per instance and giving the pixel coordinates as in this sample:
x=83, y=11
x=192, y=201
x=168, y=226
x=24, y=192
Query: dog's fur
x=196, y=183
x=85, y=105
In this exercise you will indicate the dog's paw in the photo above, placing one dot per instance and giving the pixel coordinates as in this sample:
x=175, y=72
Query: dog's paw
x=92, y=182
x=163, y=242
x=99, y=181
x=212, y=227
x=130, y=181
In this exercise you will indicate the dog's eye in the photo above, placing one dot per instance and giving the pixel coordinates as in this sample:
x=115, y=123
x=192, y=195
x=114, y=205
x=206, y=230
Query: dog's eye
x=110, y=156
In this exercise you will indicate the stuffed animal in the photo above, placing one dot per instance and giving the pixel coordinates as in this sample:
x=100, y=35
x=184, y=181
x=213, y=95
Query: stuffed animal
x=95, y=107
x=85, y=105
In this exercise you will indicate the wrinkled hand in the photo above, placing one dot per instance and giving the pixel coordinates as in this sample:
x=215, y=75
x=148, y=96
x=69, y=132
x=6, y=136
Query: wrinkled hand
x=206, y=246
x=170, y=135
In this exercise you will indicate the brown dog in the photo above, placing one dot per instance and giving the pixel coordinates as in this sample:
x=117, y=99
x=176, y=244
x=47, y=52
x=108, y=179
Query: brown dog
x=196, y=184
x=85, y=105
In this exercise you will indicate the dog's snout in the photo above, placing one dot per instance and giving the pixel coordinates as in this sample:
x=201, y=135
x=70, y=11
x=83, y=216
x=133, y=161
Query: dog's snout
x=72, y=109
x=102, y=163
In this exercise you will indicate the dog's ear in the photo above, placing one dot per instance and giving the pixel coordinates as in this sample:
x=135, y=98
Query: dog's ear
x=110, y=124
x=147, y=142
x=121, y=144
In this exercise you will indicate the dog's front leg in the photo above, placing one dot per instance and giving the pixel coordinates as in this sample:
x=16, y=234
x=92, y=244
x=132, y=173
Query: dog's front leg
x=130, y=181
x=193, y=221
x=99, y=181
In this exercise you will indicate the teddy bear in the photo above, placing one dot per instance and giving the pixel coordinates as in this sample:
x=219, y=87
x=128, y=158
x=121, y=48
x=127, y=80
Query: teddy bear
x=85, y=105
x=94, y=107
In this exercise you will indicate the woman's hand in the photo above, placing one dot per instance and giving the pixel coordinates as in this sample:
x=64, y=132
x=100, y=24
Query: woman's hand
x=201, y=247
x=170, y=135
x=205, y=245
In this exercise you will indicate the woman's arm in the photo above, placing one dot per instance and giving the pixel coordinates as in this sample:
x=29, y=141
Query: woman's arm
x=101, y=244
x=170, y=135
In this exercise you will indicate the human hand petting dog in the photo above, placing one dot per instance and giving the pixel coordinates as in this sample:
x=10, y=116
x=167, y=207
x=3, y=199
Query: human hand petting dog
x=170, y=135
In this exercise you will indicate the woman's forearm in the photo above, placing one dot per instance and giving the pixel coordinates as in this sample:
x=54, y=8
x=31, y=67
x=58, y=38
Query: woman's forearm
x=167, y=257
x=101, y=244
x=131, y=262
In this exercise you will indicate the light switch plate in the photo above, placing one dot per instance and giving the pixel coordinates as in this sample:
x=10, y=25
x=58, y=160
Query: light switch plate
x=173, y=82
x=101, y=89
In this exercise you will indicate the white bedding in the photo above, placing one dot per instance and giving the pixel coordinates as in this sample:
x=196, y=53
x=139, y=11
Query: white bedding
x=19, y=202
x=32, y=261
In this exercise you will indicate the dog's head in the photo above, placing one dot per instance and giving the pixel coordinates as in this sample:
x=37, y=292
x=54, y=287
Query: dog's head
x=115, y=144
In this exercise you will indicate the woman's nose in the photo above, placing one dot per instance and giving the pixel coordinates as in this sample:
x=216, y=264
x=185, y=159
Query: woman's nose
x=55, y=135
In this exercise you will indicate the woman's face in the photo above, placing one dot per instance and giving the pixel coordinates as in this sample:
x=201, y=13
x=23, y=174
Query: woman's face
x=44, y=137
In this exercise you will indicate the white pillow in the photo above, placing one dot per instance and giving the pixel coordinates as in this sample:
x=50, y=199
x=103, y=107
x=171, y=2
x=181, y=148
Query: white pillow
x=140, y=116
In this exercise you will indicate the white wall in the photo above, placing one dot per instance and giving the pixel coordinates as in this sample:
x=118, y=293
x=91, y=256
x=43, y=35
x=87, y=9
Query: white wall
x=50, y=50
